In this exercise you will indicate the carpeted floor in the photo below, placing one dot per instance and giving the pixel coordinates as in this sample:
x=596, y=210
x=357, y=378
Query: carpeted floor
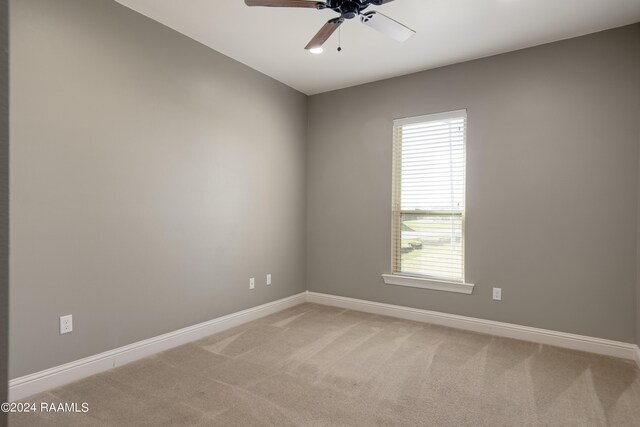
x=320, y=366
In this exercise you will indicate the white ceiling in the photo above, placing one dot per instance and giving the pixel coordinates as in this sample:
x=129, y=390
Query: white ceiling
x=272, y=40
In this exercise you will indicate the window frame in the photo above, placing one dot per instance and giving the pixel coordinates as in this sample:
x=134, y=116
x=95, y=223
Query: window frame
x=398, y=277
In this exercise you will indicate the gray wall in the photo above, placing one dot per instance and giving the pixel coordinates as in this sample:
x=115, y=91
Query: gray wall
x=4, y=202
x=150, y=178
x=638, y=239
x=551, y=184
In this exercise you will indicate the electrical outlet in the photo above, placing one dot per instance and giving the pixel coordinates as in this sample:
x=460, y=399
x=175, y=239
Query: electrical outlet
x=268, y=279
x=252, y=283
x=497, y=294
x=66, y=324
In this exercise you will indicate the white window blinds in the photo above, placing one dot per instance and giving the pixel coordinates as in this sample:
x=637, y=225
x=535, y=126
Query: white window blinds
x=429, y=196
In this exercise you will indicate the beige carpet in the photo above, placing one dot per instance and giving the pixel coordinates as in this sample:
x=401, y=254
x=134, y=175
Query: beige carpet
x=319, y=366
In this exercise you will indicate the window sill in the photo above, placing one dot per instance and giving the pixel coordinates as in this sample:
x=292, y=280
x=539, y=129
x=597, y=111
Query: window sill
x=424, y=283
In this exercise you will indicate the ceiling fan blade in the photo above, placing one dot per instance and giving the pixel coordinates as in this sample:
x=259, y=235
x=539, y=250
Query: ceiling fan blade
x=286, y=3
x=388, y=26
x=380, y=2
x=324, y=33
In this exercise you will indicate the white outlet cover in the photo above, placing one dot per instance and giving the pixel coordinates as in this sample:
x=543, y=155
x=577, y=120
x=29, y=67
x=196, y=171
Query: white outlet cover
x=268, y=279
x=497, y=294
x=66, y=324
x=252, y=283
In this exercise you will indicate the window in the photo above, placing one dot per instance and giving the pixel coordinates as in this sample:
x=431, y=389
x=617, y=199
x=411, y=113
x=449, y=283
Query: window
x=429, y=197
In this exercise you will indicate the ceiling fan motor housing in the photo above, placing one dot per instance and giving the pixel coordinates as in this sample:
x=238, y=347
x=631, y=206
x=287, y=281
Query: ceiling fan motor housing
x=348, y=9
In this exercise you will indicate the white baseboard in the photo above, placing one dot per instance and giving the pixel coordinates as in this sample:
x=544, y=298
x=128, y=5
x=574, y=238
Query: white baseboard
x=28, y=385
x=507, y=330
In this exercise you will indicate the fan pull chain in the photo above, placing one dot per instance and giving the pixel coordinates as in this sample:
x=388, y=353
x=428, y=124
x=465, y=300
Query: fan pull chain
x=340, y=39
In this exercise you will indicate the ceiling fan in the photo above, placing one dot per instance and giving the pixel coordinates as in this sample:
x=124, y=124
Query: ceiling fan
x=348, y=9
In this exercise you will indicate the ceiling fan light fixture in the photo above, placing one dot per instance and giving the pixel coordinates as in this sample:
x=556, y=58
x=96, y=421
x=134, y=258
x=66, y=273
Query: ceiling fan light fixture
x=316, y=50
